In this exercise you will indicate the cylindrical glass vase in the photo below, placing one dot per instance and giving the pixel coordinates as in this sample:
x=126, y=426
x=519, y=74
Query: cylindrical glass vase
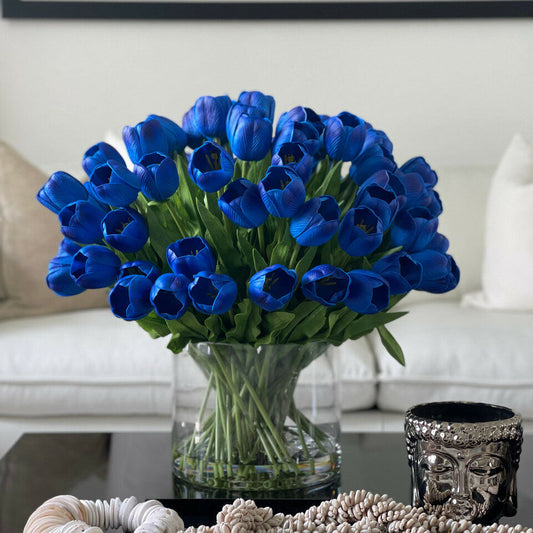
x=255, y=421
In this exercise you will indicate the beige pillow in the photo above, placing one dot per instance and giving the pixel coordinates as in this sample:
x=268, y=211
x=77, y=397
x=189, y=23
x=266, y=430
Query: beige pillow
x=29, y=237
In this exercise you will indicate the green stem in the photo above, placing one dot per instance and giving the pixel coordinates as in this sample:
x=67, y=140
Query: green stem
x=175, y=219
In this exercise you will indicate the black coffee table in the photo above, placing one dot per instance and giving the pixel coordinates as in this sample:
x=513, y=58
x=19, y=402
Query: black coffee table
x=105, y=465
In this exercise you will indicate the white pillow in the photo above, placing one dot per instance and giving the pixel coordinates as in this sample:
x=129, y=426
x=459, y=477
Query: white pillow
x=507, y=270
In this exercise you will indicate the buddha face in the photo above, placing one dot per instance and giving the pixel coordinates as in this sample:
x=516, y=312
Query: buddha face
x=477, y=484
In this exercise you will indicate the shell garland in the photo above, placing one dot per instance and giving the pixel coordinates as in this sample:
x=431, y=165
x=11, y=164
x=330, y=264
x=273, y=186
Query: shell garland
x=354, y=512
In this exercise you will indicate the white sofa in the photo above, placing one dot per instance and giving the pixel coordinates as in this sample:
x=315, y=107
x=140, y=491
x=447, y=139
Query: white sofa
x=86, y=369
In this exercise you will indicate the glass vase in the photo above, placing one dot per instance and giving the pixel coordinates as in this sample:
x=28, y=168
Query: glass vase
x=255, y=421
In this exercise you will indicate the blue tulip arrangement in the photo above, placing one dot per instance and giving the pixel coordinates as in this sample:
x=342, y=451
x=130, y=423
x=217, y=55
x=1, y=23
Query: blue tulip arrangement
x=230, y=229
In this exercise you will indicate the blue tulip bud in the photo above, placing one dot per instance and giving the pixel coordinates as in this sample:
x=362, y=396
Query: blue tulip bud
x=242, y=204
x=295, y=155
x=158, y=176
x=113, y=184
x=130, y=297
x=60, y=190
x=344, y=136
x=413, y=229
x=211, y=293
x=249, y=132
x=139, y=268
x=368, y=292
x=261, y=101
x=376, y=138
x=81, y=222
x=300, y=114
x=380, y=198
x=95, y=267
x=316, y=221
x=170, y=296
x=98, y=155
x=194, y=135
x=125, y=230
x=439, y=271
x=59, y=279
x=360, y=231
x=372, y=160
x=211, y=167
x=418, y=165
x=282, y=191
x=68, y=247
x=299, y=132
x=272, y=287
x=209, y=115
x=439, y=243
x=326, y=284
x=155, y=134
x=400, y=270
x=189, y=256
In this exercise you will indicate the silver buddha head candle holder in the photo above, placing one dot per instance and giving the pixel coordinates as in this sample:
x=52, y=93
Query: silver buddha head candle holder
x=463, y=459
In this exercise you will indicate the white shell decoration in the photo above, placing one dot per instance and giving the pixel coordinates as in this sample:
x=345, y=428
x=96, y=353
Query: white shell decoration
x=354, y=512
x=67, y=514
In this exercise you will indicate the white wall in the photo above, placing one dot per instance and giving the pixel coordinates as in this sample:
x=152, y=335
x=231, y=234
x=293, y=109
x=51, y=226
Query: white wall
x=454, y=91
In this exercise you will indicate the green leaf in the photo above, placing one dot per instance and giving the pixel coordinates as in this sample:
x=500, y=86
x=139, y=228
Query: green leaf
x=154, y=325
x=391, y=344
x=309, y=325
x=215, y=326
x=332, y=181
x=281, y=252
x=259, y=261
x=186, y=188
x=178, y=342
x=158, y=231
x=258, y=169
x=305, y=262
x=366, y=323
x=273, y=324
x=188, y=325
x=247, y=322
x=219, y=239
x=339, y=319
x=245, y=247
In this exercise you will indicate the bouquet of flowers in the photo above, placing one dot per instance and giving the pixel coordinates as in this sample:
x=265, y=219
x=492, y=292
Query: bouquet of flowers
x=227, y=229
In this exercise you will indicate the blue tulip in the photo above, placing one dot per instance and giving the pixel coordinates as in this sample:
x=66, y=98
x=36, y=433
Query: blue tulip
x=125, y=230
x=295, y=155
x=418, y=165
x=360, y=231
x=211, y=167
x=211, y=293
x=139, y=268
x=369, y=162
x=130, y=297
x=68, y=247
x=59, y=279
x=194, y=135
x=272, y=287
x=249, y=132
x=344, y=136
x=209, y=115
x=113, y=184
x=376, y=138
x=400, y=270
x=439, y=271
x=368, y=292
x=99, y=154
x=282, y=191
x=300, y=114
x=316, y=221
x=60, y=190
x=326, y=284
x=81, y=222
x=170, y=296
x=95, y=267
x=379, y=197
x=189, y=256
x=155, y=134
x=242, y=204
x=299, y=132
x=261, y=101
x=158, y=176
x=435, y=205
x=438, y=243
x=415, y=191
x=413, y=229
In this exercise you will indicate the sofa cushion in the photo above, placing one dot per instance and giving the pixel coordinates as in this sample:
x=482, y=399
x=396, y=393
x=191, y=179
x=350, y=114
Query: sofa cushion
x=89, y=362
x=29, y=238
x=506, y=277
x=458, y=353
